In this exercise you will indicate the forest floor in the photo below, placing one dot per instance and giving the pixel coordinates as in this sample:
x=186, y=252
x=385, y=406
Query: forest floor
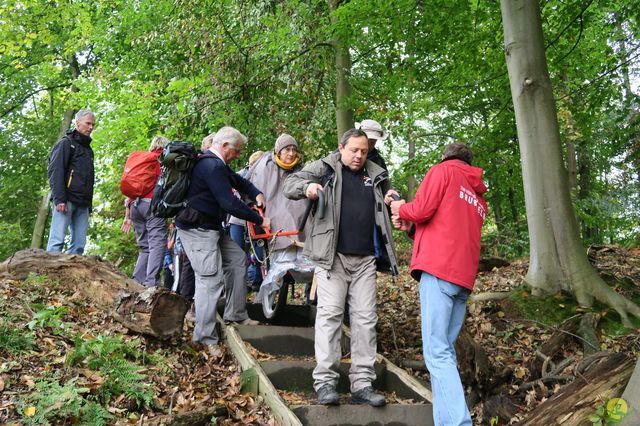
x=62, y=360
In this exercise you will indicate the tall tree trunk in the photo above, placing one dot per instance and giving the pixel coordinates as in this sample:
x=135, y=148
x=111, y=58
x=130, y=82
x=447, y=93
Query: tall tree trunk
x=557, y=258
x=43, y=211
x=344, y=112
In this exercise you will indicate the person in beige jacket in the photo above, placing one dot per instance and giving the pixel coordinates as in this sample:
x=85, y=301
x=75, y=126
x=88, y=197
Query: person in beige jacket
x=286, y=262
x=340, y=244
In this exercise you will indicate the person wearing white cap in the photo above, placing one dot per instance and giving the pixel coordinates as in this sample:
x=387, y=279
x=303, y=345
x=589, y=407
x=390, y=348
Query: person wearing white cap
x=375, y=132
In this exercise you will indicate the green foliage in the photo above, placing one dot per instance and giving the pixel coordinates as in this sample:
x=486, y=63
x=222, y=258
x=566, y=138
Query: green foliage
x=431, y=73
x=610, y=412
x=124, y=377
x=12, y=339
x=52, y=403
x=49, y=317
x=114, y=358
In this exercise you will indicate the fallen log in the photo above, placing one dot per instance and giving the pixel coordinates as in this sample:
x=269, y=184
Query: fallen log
x=153, y=311
x=604, y=379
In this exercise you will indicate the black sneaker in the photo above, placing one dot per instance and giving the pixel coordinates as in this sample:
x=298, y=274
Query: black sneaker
x=367, y=396
x=327, y=395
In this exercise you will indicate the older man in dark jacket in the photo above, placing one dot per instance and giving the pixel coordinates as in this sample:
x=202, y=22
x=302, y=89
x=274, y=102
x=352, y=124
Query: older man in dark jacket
x=214, y=257
x=71, y=177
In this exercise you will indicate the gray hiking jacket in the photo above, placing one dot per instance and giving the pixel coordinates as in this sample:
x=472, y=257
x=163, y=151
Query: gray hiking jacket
x=322, y=240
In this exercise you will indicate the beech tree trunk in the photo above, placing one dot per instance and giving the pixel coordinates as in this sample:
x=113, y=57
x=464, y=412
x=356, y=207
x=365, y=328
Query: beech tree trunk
x=154, y=311
x=557, y=258
x=344, y=112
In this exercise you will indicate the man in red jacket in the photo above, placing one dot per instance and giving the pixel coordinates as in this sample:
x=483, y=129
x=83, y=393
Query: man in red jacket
x=448, y=212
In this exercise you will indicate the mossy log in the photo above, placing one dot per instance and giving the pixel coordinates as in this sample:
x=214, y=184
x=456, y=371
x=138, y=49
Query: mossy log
x=153, y=311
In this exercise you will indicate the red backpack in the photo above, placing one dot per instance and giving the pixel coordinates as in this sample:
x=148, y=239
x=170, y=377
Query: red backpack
x=140, y=174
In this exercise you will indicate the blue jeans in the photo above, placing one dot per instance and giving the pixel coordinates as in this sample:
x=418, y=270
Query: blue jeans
x=443, y=307
x=75, y=219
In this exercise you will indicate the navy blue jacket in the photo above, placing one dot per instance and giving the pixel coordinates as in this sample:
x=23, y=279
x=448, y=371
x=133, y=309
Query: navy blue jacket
x=70, y=171
x=211, y=195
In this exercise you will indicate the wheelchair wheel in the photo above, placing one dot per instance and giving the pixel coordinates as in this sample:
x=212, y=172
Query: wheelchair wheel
x=274, y=302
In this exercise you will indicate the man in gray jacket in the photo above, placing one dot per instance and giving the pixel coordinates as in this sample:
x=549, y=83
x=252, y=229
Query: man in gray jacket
x=340, y=244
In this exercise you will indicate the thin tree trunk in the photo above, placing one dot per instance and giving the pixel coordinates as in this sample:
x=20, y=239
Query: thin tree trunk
x=344, y=112
x=411, y=182
x=589, y=231
x=497, y=213
x=557, y=258
x=514, y=209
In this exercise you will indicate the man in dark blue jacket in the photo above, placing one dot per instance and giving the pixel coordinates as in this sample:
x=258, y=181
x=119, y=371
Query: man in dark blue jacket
x=71, y=177
x=217, y=261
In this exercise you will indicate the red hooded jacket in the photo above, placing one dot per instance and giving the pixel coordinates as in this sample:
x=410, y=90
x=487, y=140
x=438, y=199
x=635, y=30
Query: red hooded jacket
x=448, y=211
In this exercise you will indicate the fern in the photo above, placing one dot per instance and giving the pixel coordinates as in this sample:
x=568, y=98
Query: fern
x=112, y=356
x=123, y=377
x=52, y=402
x=93, y=414
x=14, y=340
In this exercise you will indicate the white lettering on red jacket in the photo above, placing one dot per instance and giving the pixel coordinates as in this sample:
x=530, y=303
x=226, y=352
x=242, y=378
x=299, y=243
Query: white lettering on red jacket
x=448, y=211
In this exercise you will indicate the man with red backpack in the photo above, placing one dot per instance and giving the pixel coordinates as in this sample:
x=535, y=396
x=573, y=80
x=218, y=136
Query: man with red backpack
x=140, y=175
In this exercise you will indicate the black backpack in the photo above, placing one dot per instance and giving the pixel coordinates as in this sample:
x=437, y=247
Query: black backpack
x=176, y=163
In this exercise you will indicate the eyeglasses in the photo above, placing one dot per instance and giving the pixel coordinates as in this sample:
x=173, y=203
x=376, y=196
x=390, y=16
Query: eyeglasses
x=290, y=148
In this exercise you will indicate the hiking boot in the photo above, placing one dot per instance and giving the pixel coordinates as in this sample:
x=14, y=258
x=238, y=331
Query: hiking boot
x=327, y=395
x=368, y=396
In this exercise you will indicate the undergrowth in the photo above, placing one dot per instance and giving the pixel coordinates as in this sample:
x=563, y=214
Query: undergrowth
x=53, y=403
x=115, y=360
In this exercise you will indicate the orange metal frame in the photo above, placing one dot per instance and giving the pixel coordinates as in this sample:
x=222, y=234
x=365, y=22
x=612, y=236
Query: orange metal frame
x=266, y=231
